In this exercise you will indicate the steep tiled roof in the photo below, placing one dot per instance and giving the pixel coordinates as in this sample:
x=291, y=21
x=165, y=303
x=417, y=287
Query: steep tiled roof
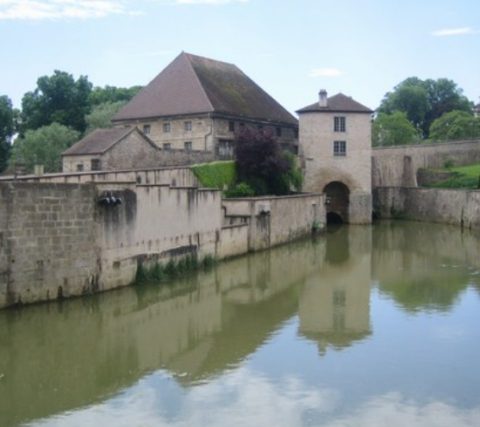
x=338, y=103
x=192, y=84
x=99, y=141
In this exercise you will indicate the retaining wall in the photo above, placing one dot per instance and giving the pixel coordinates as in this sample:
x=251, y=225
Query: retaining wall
x=398, y=166
x=457, y=207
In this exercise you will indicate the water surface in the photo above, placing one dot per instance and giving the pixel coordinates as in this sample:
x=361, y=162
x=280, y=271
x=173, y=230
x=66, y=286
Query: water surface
x=363, y=326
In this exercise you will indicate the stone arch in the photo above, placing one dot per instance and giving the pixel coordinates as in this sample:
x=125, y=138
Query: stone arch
x=337, y=201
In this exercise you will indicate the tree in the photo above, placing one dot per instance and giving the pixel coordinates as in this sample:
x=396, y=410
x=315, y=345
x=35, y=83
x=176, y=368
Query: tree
x=58, y=98
x=101, y=115
x=43, y=146
x=100, y=95
x=393, y=129
x=455, y=125
x=263, y=165
x=7, y=129
x=423, y=101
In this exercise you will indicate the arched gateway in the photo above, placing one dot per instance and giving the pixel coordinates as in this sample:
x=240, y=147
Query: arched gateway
x=335, y=145
x=337, y=202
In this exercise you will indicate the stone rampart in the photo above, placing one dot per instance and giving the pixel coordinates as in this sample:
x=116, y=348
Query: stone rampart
x=276, y=220
x=457, y=207
x=398, y=166
x=61, y=240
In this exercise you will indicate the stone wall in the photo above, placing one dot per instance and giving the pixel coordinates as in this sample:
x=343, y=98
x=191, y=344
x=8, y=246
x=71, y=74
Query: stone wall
x=398, y=166
x=276, y=220
x=47, y=242
x=457, y=207
x=175, y=176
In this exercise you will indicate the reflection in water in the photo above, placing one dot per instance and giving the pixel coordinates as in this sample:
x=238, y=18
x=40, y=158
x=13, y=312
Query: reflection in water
x=225, y=347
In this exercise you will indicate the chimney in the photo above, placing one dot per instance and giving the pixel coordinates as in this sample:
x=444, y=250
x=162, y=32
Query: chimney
x=322, y=101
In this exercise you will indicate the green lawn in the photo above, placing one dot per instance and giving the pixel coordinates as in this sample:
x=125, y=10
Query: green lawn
x=219, y=175
x=463, y=177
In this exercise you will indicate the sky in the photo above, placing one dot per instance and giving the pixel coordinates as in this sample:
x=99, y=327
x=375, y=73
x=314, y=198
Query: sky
x=291, y=48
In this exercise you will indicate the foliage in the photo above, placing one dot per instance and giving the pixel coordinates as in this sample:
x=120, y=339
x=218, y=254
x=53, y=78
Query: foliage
x=112, y=94
x=393, y=129
x=242, y=189
x=423, y=101
x=172, y=269
x=216, y=174
x=455, y=125
x=43, y=146
x=7, y=129
x=461, y=177
x=263, y=165
x=58, y=98
x=101, y=115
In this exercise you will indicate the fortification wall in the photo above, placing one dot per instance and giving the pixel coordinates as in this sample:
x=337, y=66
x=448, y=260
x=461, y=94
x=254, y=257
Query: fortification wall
x=457, y=207
x=276, y=220
x=48, y=245
x=398, y=166
x=175, y=176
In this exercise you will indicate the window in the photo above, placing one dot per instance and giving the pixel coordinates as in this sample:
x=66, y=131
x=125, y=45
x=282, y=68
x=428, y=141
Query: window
x=339, y=124
x=296, y=133
x=231, y=126
x=339, y=148
x=95, y=165
x=279, y=131
x=166, y=127
x=146, y=129
x=79, y=167
x=188, y=145
x=167, y=146
x=187, y=126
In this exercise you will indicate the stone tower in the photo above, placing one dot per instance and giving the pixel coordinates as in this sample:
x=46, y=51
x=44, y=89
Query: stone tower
x=335, y=143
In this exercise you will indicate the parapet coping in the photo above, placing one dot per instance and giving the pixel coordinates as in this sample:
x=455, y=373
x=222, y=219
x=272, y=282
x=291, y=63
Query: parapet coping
x=430, y=144
x=259, y=198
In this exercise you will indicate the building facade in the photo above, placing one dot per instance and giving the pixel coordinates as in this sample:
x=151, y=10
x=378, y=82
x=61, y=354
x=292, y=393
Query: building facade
x=197, y=103
x=335, y=146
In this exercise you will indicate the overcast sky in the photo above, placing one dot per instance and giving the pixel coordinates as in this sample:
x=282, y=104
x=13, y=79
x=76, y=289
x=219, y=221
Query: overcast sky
x=292, y=48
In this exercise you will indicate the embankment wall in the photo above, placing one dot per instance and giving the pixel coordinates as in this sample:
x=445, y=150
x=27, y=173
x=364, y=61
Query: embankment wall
x=448, y=206
x=60, y=240
x=398, y=166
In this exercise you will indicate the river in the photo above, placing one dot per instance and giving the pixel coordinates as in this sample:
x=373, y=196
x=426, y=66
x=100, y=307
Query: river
x=362, y=326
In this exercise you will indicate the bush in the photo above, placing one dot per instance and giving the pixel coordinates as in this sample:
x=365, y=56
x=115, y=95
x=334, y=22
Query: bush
x=240, y=190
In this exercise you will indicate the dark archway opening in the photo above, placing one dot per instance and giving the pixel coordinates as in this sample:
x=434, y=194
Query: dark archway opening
x=334, y=219
x=337, y=202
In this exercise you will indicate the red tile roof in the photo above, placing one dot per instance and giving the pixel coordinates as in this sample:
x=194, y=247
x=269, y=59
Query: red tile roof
x=338, y=103
x=192, y=84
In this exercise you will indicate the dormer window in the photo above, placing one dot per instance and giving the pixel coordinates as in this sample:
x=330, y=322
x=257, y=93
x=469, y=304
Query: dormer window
x=339, y=124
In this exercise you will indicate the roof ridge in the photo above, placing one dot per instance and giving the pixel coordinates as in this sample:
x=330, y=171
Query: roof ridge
x=187, y=56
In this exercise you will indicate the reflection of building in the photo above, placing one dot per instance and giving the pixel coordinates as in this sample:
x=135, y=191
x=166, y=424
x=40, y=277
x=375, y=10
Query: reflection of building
x=334, y=306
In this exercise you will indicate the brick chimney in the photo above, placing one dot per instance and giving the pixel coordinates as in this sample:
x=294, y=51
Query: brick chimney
x=322, y=98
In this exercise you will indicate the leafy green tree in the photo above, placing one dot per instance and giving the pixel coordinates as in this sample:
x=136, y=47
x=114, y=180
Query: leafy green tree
x=393, y=129
x=101, y=95
x=7, y=129
x=423, y=101
x=58, y=98
x=43, y=146
x=455, y=125
x=101, y=115
x=263, y=165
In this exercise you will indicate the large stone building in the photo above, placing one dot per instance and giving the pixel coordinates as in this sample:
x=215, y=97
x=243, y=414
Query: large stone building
x=335, y=143
x=197, y=103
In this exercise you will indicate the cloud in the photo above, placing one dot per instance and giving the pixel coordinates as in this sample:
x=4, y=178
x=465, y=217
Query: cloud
x=445, y=32
x=60, y=9
x=326, y=72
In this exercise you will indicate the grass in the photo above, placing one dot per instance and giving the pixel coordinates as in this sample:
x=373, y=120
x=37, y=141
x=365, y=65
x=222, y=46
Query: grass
x=462, y=177
x=221, y=175
x=162, y=273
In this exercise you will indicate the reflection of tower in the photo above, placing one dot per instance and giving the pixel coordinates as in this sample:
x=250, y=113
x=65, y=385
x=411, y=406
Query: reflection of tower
x=334, y=306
